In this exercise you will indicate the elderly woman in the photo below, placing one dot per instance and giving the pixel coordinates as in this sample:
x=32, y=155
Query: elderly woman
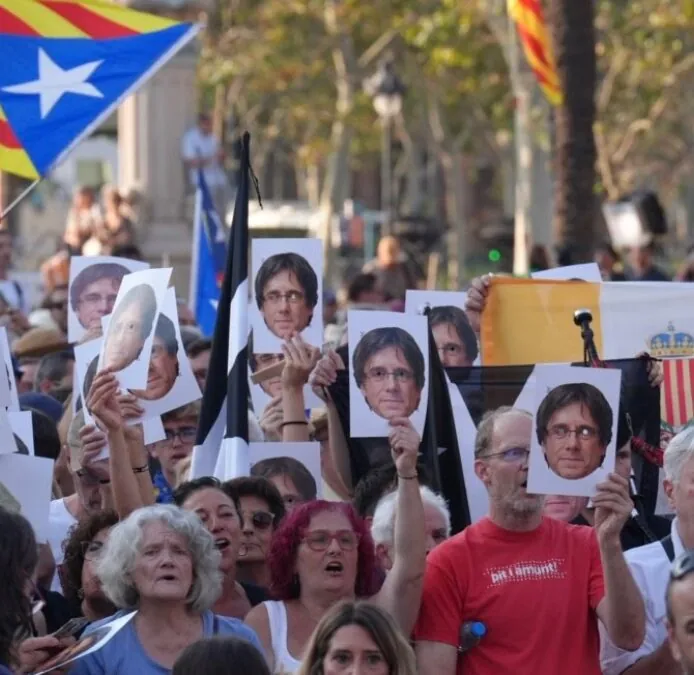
x=358, y=637
x=163, y=563
x=323, y=553
x=437, y=524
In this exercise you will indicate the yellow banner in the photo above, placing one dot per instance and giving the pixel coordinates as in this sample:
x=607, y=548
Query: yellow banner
x=529, y=321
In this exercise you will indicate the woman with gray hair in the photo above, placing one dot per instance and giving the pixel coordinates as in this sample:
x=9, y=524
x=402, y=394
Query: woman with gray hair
x=437, y=524
x=162, y=562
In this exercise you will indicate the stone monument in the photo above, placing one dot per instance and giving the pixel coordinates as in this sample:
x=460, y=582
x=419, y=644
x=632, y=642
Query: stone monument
x=151, y=124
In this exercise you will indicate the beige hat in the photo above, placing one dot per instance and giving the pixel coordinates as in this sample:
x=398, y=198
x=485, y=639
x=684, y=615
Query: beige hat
x=38, y=342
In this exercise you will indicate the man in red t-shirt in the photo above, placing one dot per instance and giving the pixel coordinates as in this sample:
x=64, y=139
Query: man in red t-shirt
x=536, y=583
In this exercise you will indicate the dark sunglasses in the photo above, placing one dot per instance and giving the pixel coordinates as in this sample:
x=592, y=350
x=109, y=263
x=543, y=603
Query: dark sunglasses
x=261, y=520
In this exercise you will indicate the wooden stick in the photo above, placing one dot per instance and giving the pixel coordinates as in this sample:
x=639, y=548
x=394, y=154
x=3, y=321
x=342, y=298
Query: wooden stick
x=268, y=373
x=19, y=199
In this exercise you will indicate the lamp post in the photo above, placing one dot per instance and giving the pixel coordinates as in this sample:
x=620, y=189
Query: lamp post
x=387, y=91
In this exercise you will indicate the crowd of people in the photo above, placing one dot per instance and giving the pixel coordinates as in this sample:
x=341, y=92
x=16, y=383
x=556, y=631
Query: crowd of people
x=256, y=575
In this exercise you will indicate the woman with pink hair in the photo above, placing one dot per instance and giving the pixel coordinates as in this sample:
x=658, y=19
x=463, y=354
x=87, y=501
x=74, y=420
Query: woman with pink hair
x=323, y=553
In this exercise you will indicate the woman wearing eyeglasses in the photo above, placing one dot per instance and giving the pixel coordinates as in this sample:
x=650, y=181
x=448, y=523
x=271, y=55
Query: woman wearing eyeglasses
x=261, y=509
x=83, y=550
x=323, y=553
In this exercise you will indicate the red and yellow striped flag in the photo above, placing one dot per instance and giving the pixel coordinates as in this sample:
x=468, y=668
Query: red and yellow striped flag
x=532, y=30
x=47, y=22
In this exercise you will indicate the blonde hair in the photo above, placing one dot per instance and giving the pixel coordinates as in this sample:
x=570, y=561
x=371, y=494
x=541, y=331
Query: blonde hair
x=182, y=470
x=380, y=626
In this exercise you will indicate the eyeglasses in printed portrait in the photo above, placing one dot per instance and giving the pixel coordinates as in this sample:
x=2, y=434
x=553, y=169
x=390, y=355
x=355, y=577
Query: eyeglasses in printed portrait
x=388, y=367
x=286, y=291
x=164, y=367
x=130, y=327
x=455, y=340
x=574, y=427
x=93, y=292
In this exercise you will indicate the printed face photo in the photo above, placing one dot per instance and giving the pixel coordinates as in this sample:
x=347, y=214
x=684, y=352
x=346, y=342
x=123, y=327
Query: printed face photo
x=293, y=468
x=455, y=340
x=286, y=291
x=129, y=327
x=389, y=370
x=93, y=289
x=164, y=366
x=78, y=649
x=574, y=427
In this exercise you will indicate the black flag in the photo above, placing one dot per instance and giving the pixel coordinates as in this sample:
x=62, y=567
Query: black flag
x=222, y=443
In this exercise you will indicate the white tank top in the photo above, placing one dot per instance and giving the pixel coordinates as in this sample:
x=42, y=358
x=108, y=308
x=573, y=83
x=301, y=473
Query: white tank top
x=285, y=663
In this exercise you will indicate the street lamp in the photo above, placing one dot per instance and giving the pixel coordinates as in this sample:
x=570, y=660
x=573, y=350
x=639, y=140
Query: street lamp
x=387, y=91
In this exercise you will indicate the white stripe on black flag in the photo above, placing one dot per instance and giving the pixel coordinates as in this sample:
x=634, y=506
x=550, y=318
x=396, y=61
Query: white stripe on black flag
x=222, y=443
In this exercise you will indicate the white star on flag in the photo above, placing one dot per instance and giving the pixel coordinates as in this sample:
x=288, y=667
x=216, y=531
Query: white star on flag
x=215, y=304
x=54, y=82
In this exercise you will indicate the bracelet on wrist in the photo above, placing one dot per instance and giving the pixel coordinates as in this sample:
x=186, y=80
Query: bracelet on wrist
x=294, y=423
x=412, y=477
x=140, y=469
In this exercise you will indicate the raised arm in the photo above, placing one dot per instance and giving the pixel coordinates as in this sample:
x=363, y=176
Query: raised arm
x=401, y=593
x=104, y=406
x=299, y=360
x=621, y=609
x=324, y=374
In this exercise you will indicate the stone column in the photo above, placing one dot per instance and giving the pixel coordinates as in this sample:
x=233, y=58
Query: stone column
x=151, y=123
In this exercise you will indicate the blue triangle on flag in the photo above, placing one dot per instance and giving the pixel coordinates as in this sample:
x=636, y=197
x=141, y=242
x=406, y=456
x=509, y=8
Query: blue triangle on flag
x=96, y=76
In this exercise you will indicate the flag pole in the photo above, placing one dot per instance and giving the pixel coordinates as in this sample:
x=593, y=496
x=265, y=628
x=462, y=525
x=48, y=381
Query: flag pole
x=20, y=198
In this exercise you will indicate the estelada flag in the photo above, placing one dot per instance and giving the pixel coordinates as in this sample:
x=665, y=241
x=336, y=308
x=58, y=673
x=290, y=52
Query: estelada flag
x=532, y=321
x=66, y=66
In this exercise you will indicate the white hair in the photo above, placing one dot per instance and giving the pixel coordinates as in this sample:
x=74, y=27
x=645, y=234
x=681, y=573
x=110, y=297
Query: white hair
x=115, y=568
x=679, y=450
x=383, y=524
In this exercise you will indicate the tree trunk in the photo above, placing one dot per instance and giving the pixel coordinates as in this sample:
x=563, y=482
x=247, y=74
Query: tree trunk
x=336, y=183
x=572, y=24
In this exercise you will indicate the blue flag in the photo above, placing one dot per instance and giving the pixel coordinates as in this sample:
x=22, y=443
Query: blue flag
x=209, y=256
x=54, y=91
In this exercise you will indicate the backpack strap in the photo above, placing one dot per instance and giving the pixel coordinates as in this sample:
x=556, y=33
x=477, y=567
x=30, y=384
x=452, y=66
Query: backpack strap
x=666, y=543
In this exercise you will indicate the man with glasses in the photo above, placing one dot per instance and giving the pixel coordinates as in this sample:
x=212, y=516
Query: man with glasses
x=286, y=291
x=93, y=292
x=538, y=584
x=180, y=426
x=679, y=603
x=388, y=367
x=455, y=340
x=574, y=428
x=650, y=566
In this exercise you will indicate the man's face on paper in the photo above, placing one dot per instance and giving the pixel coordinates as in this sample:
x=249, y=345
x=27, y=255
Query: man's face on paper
x=284, y=305
x=96, y=301
x=389, y=385
x=572, y=445
x=162, y=373
x=125, y=341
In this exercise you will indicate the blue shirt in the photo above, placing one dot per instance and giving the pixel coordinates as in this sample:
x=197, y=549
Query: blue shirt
x=124, y=654
x=162, y=489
